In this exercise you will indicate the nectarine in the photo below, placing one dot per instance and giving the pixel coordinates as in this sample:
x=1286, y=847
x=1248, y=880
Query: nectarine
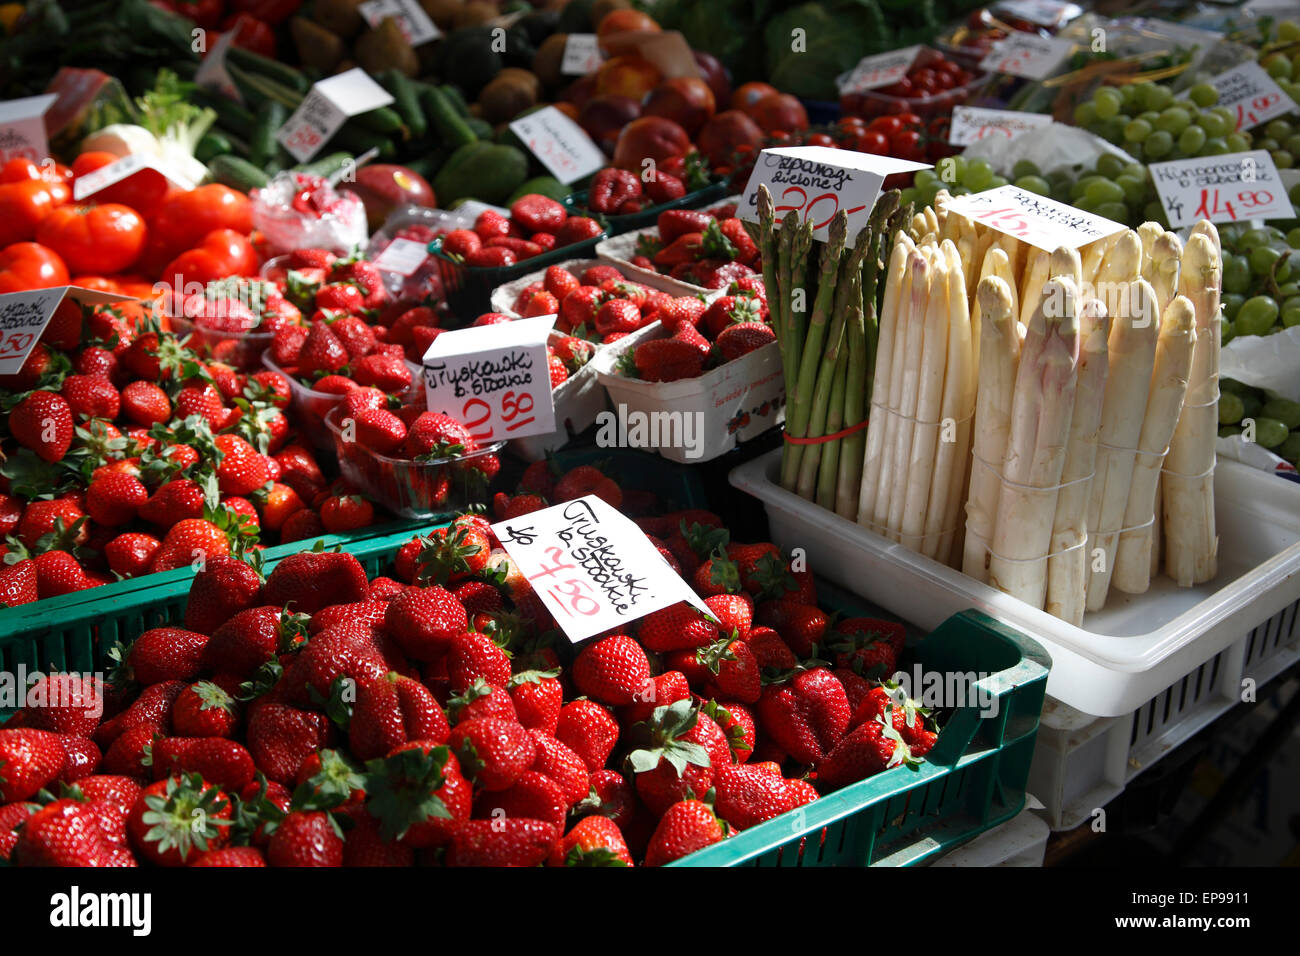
x=650, y=137
x=630, y=76
x=686, y=100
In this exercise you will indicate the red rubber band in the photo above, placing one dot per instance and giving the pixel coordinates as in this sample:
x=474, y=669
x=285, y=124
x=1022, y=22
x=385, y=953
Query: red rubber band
x=825, y=438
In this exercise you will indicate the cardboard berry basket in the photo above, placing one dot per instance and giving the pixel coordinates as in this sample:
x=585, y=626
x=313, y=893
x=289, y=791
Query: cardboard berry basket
x=973, y=780
x=732, y=403
x=648, y=216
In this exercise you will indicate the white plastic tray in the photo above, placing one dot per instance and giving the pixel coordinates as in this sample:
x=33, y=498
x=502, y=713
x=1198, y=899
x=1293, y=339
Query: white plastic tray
x=503, y=296
x=1122, y=656
x=619, y=250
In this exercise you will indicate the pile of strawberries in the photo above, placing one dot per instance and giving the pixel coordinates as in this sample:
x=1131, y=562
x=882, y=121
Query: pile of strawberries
x=701, y=339
x=709, y=248
x=317, y=718
x=127, y=454
x=537, y=224
x=600, y=304
x=619, y=192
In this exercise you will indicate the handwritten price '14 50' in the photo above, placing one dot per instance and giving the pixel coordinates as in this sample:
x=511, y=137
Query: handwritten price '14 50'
x=572, y=594
x=478, y=414
x=1214, y=206
x=805, y=205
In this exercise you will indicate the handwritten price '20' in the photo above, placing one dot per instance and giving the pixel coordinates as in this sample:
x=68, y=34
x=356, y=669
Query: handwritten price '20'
x=805, y=205
x=478, y=414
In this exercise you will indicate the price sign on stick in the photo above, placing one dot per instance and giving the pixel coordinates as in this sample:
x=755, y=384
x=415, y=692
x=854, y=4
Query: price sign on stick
x=212, y=73
x=970, y=124
x=561, y=144
x=581, y=54
x=1027, y=55
x=24, y=316
x=1228, y=188
x=593, y=568
x=880, y=69
x=326, y=108
x=818, y=181
x=1252, y=95
x=494, y=379
x=1037, y=220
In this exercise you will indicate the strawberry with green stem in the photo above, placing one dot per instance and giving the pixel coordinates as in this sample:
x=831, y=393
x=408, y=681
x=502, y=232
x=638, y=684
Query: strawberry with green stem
x=177, y=819
x=674, y=754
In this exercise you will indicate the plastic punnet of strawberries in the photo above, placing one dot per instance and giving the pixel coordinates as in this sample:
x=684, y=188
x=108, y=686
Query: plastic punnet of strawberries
x=620, y=192
x=128, y=454
x=537, y=224
x=709, y=248
x=432, y=716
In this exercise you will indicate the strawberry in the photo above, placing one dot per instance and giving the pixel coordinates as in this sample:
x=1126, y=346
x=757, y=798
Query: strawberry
x=43, y=422
x=145, y=404
x=459, y=243
x=175, y=820
x=362, y=612
x=665, y=688
x=342, y=513
x=387, y=372
x=676, y=751
x=806, y=715
x=667, y=360
x=58, y=572
x=538, y=698
x=493, y=752
x=425, y=621
x=392, y=711
x=224, y=587
x=472, y=656
x=91, y=396
x=165, y=654
x=281, y=737
x=743, y=338
x=314, y=580
x=746, y=250
x=302, y=525
x=29, y=760
x=801, y=627
x=612, y=670
x=452, y=554
x=306, y=838
x=730, y=310
x=348, y=651
x=18, y=583
x=321, y=351
x=178, y=500
x=573, y=352
x=130, y=753
x=242, y=856
x=188, y=541
x=300, y=471
x=593, y=841
x=509, y=842
x=224, y=763
x=729, y=670
x=204, y=401
x=588, y=730
x=491, y=257
x=856, y=687
x=80, y=758
x=130, y=555
x=685, y=827
x=578, y=308
x=66, y=833
x=679, y=311
x=737, y=723
x=242, y=469
x=64, y=704
x=588, y=480
x=677, y=627
x=12, y=817
x=247, y=640
x=532, y=795
x=204, y=709
x=577, y=229
x=491, y=223
x=559, y=282
x=365, y=275
x=865, y=751
x=286, y=345
x=617, y=315
x=433, y=433
x=735, y=614
x=665, y=187
x=746, y=796
x=535, y=213
x=561, y=764
x=150, y=711
x=364, y=844
x=418, y=794
x=115, y=498
x=677, y=222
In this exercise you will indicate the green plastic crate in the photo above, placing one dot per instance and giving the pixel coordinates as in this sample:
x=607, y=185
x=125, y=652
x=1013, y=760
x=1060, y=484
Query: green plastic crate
x=618, y=225
x=973, y=779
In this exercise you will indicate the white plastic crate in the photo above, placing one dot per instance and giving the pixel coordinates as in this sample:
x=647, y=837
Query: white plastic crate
x=1021, y=841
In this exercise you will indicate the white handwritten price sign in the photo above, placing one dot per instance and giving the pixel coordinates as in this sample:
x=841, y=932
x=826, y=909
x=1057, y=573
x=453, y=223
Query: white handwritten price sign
x=1027, y=55
x=818, y=181
x=1227, y=188
x=1037, y=220
x=410, y=16
x=1252, y=95
x=212, y=73
x=125, y=167
x=581, y=54
x=24, y=316
x=22, y=128
x=593, y=568
x=561, y=144
x=326, y=108
x=970, y=124
x=1044, y=13
x=880, y=69
x=402, y=257
x=494, y=379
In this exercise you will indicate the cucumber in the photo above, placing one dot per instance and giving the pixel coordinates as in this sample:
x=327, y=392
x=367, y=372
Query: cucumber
x=262, y=145
x=406, y=101
x=237, y=173
x=231, y=117
x=453, y=130
x=358, y=141
x=258, y=88
x=481, y=128
x=384, y=120
x=326, y=166
x=213, y=144
x=274, y=70
x=456, y=98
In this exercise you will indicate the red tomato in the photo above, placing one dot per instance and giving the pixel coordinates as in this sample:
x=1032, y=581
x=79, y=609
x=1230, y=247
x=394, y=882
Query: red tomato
x=250, y=34
x=25, y=204
x=909, y=119
x=872, y=141
x=888, y=125
x=20, y=169
x=98, y=283
x=28, y=265
x=142, y=191
x=820, y=139
x=906, y=144
x=223, y=252
x=105, y=238
x=185, y=218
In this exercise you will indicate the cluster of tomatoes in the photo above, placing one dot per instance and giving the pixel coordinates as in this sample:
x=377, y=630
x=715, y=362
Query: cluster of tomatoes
x=901, y=135
x=931, y=74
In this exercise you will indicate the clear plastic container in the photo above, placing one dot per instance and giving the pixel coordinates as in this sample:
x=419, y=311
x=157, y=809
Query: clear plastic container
x=307, y=406
x=426, y=281
x=243, y=350
x=410, y=489
x=872, y=103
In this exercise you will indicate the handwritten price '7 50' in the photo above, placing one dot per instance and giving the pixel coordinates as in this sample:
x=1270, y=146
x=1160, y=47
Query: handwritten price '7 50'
x=15, y=343
x=572, y=593
x=805, y=206
x=477, y=413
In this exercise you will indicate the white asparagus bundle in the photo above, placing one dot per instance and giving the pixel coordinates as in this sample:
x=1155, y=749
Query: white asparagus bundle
x=910, y=504
x=1157, y=527
x=1132, y=571
x=1035, y=456
x=911, y=312
x=1121, y=267
x=1067, y=567
x=1166, y=259
x=999, y=359
x=1132, y=356
x=1148, y=233
x=1093, y=254
x=876, y=416
x=952, y=461
x=1191, y=542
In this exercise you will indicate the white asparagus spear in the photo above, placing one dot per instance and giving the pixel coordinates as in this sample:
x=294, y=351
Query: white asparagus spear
x=907, y=340
x=1191, y=542
x=1037, y=263
x=1066, y=262
x=1040, y=428
x=1067, y=568
x=952, y=461
x=1148, y=233
x=876, y=416
x=1166, y=258
x=1168, y=387
x=1093, y=254
x=1132, y=356
x=919, y=454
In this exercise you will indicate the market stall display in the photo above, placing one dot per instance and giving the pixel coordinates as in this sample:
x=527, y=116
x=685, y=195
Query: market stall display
x=302, y=556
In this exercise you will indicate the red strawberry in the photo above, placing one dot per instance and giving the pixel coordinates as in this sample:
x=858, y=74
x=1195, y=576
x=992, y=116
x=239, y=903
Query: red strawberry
x=204, y=401
x=418, y=794
x=225, y=763
x=18, y=583
x=66, y=833
x=665, y=688
x=321, y=351
x=617, y=315
x=588, y=480
x=491, y=257
x=342, y=513
x=392, y=711
x=173, y=821
x=424, y=621
x=461, y=242
x=729, y=310
x=746, y=796
x=63, y=704
x=43, y=422
x=58, y=572
x=532, y=795
x=204, y=709
x=281, y=737
x=190, y=540
x=577, y=229
x=178, y=500
x=433, y=433
x=384, y=371
x=593, y=841
x=145, y=404
x=677, y=627
x=680, y=747
x=559, y=282
x=743, y=338
x=668, y=360
x=115, y=498
x=493, y=752
x=349, y=651
x=311, y=581
x=800, y=626
x=222, y=588
x=150, y=711
x=538, y=698
x=510, y=842
x=588, y=730
x=562, y=765
x=806, y=716
x=612, y=670
x=579, y=307
x=232, y=856
x=730, y=671
x=164, y=654
x=685, y=827
x=867, y=750
x=29, y=760
x=737, y=723
x=91, y=396
x=306, y=839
